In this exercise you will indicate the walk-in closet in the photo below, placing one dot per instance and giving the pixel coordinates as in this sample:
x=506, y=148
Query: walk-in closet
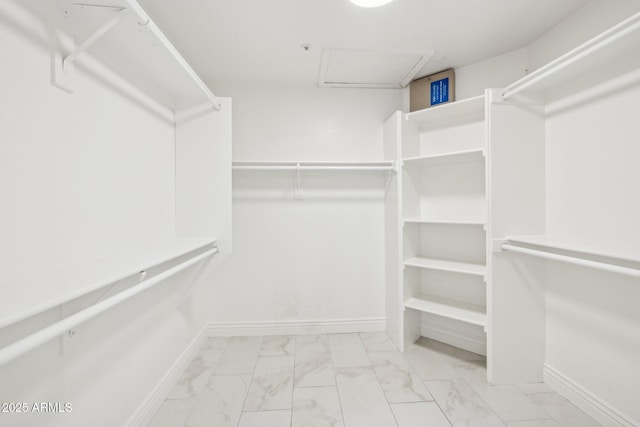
x=299, y=213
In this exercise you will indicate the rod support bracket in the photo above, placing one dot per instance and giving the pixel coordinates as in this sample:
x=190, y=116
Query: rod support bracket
x=496, y=245
x=97, y=35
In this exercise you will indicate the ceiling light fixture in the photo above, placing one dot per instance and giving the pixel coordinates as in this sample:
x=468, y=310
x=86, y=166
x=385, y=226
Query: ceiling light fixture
x=370, y=3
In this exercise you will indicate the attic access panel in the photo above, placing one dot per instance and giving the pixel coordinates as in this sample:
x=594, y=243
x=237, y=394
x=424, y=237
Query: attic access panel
x=384, y=69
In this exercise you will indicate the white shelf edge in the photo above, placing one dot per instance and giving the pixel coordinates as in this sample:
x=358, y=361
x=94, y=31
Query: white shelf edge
x=469, y=109
x=445, y=221
x=464, y=312
x=578, y=246
x=314, y=166
x=594, y=45
x=443, y=265
x=164, y=253
x=452, y=155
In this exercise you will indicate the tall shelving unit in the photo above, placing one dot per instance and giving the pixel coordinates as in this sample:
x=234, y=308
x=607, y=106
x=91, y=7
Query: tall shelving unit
x=442, y=216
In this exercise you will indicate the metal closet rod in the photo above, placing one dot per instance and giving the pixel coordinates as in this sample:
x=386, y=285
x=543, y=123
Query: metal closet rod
x=144, y=20
x=314, y=168
x=36, y=339
x=633, y=272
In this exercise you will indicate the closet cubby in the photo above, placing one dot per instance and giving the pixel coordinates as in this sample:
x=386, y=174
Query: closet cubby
x=442, y=200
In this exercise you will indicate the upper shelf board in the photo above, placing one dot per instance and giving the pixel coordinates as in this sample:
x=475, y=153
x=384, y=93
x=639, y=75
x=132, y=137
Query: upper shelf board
x=136, y=49
x=452, y=114
x=441, y=221
x=30, y=295
x=445, y=265
x=463, y=156
x=457, y=310
x=603, y=57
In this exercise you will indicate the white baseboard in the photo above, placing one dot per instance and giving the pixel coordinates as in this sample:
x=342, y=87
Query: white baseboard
x=296, y=327
x=455, y=337
x=145, y=412
x=594, y=406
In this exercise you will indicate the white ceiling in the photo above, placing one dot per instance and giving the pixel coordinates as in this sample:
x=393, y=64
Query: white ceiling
x=231, y=41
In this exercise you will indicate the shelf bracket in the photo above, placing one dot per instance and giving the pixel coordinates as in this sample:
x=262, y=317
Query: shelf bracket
x=388, y=181
x=298, y=190
x=97, y=35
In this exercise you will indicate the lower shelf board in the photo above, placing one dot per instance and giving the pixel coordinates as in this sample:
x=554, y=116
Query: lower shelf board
x=444, y=265
x=464, y=312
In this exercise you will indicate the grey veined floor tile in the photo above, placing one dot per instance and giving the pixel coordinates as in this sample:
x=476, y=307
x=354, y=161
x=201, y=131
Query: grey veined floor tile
x=461, y=405
x=362, y=399
x=272, y=384
x=397, y=378
x=419, y=414
x=313, y=364
x=316, y=407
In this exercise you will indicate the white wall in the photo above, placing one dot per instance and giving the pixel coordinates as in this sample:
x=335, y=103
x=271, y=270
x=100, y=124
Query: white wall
x=592, y=19
x=495, y=72
x=592, y=337
x=502, y=70
x=297, y=263
x=592, y=323
x=81, y=176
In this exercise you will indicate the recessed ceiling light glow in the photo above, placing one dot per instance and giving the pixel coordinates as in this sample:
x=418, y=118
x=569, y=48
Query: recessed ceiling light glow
x=370, y=3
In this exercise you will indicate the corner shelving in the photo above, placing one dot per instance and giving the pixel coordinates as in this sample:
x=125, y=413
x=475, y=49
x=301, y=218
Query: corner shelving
x=607, y=55
x=442, y=212
x=134, y=47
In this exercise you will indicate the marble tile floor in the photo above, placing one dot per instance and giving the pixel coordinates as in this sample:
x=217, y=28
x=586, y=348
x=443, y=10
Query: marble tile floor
x=352, y=380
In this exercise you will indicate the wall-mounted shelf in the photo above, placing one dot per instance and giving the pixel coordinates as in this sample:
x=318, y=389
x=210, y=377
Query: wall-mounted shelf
x=462, y=156
x=25, y=297
x=607, y=55
x=299, y=169
x=451, y=309
x=440, y=221
x=453, y=114
x=120, y=34
x=444, y=265
x=314, y=166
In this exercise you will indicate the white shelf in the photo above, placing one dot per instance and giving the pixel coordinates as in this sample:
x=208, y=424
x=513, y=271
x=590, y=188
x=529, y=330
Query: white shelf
x=463, y=156
x=587, y=247
x=445, y=221
x=314, y=166
x=607, y=55
x=135, y=48
x=451, y=309
x=443, y=265
x=30, y=295
x=455, y=113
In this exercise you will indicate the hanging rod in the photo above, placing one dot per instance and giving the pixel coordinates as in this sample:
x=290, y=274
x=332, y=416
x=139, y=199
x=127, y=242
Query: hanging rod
x=18, y=348
x=316, y=168
x=633, y=272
